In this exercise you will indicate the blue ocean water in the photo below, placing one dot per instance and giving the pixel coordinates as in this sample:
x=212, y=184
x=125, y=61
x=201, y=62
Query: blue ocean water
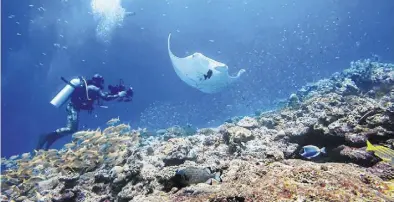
x=281, y=44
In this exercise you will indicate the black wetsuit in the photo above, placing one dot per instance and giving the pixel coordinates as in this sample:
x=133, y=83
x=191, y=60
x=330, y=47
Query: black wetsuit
x=80, y=100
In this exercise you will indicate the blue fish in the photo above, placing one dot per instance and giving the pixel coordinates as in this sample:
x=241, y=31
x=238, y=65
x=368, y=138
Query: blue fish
x=311, y=151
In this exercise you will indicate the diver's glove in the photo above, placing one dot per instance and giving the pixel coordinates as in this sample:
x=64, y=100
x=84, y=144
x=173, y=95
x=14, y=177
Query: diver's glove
x=122, y=93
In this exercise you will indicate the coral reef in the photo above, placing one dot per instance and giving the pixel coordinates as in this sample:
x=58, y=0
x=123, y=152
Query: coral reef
x=258, y=156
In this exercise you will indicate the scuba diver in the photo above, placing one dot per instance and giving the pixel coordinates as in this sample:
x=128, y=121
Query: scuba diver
x=82, y=94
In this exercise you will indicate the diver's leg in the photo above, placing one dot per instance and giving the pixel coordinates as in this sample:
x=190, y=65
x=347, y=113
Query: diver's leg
x=72, y=126
x=72, y=121
x=41, y=141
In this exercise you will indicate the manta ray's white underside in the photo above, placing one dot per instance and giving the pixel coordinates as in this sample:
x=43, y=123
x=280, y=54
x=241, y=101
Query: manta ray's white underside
x=201, y=72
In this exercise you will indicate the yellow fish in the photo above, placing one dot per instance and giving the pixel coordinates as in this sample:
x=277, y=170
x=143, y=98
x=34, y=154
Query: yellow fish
x=382, y=152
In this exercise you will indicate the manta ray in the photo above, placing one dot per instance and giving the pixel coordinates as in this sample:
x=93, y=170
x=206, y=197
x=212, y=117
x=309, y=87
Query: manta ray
x=201, y=72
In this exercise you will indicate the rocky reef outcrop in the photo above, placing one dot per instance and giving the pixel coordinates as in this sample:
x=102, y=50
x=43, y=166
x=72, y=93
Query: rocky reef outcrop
x=258, y=156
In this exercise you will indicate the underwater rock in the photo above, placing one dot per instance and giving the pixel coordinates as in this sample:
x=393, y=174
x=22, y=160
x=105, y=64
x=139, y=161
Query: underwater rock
x=70, y=180
x=383, y=170
x=347, y=87
x=267, y=122
x=173, y=133
x=48, y=184
x=248, y=122
x=102, y=176
x=66, y=196
x=290, y=150
x=150, y=151
x=239, y=135
x=174, y=159
x=131, y=190
x=206, y=131
x=262, y=146
x=99, y=188
x=275, y=155
x=382, y=124
x=211, y=140
x=178, y=152
x=236, y=137
x=294, y=101
x=369, y=73
x=177, y=131
x=290, y=180
x=121, y=175
x=22, y=199
x=198, y=189
x=354, y=139
x=355, y=155
x=234, y=119
x=116, y=171
x=321, y=87
x=281, y=134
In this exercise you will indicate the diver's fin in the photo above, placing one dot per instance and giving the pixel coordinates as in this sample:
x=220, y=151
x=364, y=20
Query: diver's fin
x=51, y=138
x=41, y=141
x=48, y=138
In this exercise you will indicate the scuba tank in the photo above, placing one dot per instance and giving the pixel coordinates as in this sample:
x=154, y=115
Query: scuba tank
x=65, y=93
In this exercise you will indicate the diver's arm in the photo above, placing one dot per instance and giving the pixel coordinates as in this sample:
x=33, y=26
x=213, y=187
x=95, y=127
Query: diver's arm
x=104, y=95
x=107, y=97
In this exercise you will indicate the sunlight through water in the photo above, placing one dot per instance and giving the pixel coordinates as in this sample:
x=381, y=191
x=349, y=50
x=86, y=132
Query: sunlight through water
x=110, y=14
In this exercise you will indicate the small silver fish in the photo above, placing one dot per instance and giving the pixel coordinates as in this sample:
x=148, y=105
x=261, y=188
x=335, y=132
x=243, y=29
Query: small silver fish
x=195, y=175
x=26, y=155
x=14, y=157
x=113, y=121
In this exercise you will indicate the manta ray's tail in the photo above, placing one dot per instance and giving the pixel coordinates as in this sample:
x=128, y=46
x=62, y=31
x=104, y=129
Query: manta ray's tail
x=235, y=78
x=240, y=72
